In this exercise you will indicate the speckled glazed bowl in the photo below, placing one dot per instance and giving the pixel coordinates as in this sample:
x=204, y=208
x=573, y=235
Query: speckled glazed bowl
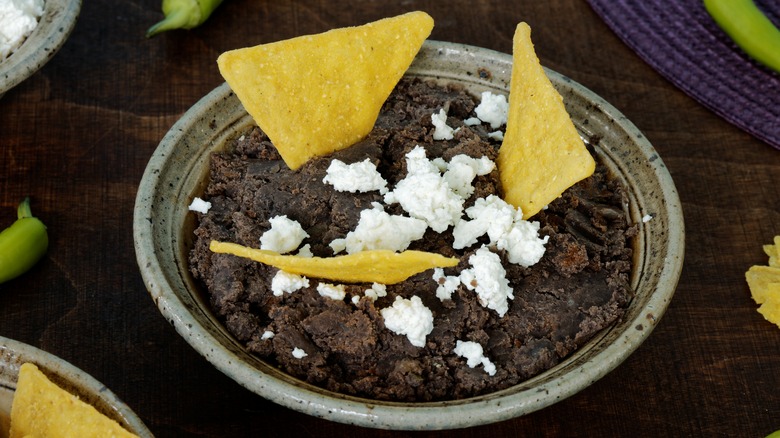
x=13, y=354
x=58, y=20
x=178, y=170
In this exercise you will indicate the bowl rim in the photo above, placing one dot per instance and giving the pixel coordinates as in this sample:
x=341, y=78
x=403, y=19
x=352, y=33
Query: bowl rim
x=493, y=407
x=54, y=27
x=14, y=353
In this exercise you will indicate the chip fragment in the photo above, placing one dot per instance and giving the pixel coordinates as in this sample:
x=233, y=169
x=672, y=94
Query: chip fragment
x=316, y=94
x=542, y=153
x=771, y=309
x=773, y=251
x=764, y=284
x=759, y=279
x=375, y=266
x=40, y=408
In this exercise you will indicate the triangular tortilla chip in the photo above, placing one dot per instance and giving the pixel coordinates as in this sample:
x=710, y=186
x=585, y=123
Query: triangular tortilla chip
x=379, y=266
x=542, y=154
x=40, y=408
x=770, y=310
x=773, y=251
x=763, y=283
x=313, y=95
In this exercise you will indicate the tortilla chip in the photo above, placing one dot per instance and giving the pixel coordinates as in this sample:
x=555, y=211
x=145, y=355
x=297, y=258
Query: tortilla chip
x=313, y=95
x=773, y=251
x=542, y=154
x=40, y=408
x=770, y=250
x=760, y=280
x=375, y=266
x=771, y=308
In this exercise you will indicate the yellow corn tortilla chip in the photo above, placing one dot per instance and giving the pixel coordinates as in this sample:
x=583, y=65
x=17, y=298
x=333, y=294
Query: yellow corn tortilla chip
x=380, y=266
x=316, y=94
x=542, y=154
x=763, y=281
x=771, y=308
x=40, y=408
x=773, y=251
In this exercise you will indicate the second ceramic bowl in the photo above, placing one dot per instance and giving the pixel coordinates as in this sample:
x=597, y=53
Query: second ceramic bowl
x=55, y=25
x=14, y=353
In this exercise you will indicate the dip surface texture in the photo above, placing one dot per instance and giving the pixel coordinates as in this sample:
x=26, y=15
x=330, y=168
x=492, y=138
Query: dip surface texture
x=580, y=286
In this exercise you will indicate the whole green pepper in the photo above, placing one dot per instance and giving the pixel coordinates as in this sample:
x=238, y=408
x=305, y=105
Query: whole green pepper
x=22, y=244
x=749, y=28
x=183, y=14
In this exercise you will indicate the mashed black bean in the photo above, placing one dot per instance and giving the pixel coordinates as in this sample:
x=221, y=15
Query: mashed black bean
x=579, y=287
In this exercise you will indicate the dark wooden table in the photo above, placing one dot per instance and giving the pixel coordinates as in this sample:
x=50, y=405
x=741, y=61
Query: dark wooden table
x=77, y=135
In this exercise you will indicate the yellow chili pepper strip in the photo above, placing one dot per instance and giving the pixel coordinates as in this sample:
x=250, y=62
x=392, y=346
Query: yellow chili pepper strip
x=749, y=28
x=379, y=266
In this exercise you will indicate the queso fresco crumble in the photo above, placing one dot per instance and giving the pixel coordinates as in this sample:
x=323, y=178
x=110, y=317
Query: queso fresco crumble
x=524, y=295
x=18, y=18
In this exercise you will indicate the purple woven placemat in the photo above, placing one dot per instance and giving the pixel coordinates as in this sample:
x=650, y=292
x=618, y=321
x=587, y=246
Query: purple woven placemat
x=680, y=40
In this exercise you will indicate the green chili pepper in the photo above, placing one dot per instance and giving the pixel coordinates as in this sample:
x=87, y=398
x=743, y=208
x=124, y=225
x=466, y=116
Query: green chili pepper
x=775, y=434
x=183, y=14
x=749, y=28
x=22, y=244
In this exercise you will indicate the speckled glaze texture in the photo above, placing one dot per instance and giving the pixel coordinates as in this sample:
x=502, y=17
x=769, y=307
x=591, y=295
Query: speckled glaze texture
x=178, y=170
x=13, y=354
x=58, y=20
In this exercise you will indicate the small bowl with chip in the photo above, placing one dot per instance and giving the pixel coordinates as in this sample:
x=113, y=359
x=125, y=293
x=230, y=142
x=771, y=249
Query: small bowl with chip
x=35, y=29
x=68, y=378
x=181, y=170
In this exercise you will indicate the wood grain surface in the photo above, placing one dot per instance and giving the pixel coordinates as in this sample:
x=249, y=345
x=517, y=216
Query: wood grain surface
x=77, y=135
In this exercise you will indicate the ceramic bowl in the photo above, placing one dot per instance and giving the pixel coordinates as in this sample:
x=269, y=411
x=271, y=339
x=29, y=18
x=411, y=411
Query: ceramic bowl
x=55, y=25
x=13, y=354
x=177, y=172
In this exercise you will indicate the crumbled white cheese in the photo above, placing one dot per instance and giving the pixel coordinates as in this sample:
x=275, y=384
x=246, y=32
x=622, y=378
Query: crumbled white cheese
x=377, y=291
x=298, y=353
x=18, y=19
x=505, y=227
x=461, y=171
x=647, y=218
x=474, y=355
x=447, y=284
x=268, y=334
x=198, y=204
x=491, y=215
x=355, y=177
x=496, y=135
x=488, y=278
x=425, y=194
x=492, y=109
x=418, y=162
x=284, y=236
x=522, y=243
x=285, y=282
x=472, y=121
x=305, y=251
x=410, y=318
x=332, y=291
x=440, y=164
x=380, y=230
x=441, y=130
